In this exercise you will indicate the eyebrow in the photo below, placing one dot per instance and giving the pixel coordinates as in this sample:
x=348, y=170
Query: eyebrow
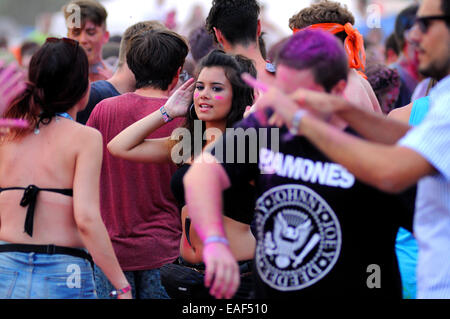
x=214, y=83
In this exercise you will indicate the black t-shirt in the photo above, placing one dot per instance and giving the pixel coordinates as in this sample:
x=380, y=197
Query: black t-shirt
x=320, y=232
x=238, y=201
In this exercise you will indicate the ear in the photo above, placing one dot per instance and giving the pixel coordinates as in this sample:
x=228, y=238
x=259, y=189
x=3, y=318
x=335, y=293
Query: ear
x=259, y=29
x=176, y=79
x=339, y=88
x=106, y=36
x=221, y=39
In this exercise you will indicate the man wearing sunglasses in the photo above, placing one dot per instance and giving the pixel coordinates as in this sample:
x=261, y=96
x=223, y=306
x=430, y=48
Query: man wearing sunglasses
x=398, y=156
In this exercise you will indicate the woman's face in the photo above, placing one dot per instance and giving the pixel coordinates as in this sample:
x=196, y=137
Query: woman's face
x=213, y=95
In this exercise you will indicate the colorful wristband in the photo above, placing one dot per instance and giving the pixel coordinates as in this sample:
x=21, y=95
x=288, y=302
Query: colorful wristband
x=296, y=121
x=167, y=118
x=216, y=239
x=119, y=292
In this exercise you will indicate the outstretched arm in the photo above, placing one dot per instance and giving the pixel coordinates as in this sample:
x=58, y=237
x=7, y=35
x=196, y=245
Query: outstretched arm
x=204, y=184
x=86, y=204
x=131, y=143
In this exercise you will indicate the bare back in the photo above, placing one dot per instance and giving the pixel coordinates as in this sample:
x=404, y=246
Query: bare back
x=47, y=160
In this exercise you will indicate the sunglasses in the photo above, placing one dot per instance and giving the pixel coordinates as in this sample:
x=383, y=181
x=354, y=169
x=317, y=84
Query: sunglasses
x=424, y=22
x=65, y=40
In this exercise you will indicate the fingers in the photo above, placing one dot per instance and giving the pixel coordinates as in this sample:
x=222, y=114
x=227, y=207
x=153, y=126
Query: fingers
x=254, y=83
x=187, y=85
x=6, y=74
x=222, y=272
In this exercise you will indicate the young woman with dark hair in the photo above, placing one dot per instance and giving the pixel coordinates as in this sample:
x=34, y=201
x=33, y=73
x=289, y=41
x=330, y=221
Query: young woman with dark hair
x=49, y=198
x=219, y=100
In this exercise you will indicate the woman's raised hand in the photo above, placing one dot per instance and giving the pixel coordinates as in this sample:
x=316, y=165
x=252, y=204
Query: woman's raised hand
x=180, y=101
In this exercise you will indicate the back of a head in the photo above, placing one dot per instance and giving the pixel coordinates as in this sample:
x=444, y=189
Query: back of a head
x=90, y=10
x=318, y=51
x=403, y=23
x=236, y=19
x=155, y=56
x=323, y=12
x=58, y=80
x=131, y=32
x=201, y=43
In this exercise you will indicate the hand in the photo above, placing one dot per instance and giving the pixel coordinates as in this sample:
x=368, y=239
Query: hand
x=127, y=295
x=322, y=105
x=222, y=271
x=180, y=101
x=12, y=84
x=105, y=71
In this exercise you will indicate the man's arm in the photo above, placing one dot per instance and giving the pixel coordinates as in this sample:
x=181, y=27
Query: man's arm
x=204, y=184
x=372, y=126
x=389, y=168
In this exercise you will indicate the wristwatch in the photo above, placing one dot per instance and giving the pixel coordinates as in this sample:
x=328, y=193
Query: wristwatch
x=119, y=292
x=295, y=125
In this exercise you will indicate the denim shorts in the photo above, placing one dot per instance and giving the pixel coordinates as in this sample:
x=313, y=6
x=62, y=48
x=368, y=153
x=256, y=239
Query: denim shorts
x=145, y=284
x=42, y=276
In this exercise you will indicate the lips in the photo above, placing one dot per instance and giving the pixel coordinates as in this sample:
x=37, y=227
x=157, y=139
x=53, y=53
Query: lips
x=205, y=107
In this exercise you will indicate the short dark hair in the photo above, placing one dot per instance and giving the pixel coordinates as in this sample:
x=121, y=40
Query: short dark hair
x=382, y=79
x=391, y=43
x=445, y=7
x=131, y=32
x=155, y=56
x=201, y=43
x=318, y=51
x=58, y=79
x=404, y=21
x=323, y=12
x=91, y=10
x=236, y=19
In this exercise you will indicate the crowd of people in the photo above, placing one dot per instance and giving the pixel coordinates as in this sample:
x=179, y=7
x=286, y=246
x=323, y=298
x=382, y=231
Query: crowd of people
x=214, y=166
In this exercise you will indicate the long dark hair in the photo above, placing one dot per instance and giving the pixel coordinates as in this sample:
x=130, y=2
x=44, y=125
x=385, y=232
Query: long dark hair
x=243, y=95
x=58, y=79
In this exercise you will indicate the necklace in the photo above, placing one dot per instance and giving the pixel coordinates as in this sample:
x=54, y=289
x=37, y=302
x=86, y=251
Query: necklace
x=58, y=115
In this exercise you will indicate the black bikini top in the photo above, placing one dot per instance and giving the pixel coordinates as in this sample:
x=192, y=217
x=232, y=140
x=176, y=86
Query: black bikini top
x=29, y=199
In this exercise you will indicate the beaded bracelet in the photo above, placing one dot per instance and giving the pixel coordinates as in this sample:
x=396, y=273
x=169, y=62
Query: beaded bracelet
x=216, y=239
x=167, y=118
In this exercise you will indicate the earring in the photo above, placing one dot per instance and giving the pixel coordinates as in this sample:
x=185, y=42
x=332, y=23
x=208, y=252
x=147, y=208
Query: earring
x=192, y=112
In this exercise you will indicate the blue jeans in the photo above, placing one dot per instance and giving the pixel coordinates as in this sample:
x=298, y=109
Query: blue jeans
x=41, y=276
x=145, y=284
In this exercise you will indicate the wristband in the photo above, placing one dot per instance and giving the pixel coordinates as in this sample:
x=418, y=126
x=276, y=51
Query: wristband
x=296, y=121
x=119, y=292
x=167, y=118
x=216, y=239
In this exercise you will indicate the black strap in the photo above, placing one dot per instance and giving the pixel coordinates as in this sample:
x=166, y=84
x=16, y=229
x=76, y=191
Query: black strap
x=187, y=229
x=29, y=199
x=47, y=249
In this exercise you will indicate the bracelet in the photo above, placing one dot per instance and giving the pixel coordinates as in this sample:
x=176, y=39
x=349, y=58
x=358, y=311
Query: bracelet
x=216, y=239
x=119, y=292
x=167, y=118
x=296, y=121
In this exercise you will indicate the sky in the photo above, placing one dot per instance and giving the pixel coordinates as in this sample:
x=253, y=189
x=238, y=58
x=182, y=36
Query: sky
x=123, y=13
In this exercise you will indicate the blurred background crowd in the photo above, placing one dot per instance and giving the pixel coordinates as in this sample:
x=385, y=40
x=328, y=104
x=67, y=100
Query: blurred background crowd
x=24, y=26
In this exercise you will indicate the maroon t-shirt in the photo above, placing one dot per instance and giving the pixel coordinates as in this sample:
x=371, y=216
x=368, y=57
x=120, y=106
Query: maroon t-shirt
x=136, y=201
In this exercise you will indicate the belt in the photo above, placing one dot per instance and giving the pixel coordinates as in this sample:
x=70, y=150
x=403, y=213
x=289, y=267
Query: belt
x=245, y=267
x=48, y=250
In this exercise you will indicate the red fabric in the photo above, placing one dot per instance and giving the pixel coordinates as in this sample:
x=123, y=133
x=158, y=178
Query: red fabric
x=354, y=43
x=137, y=204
